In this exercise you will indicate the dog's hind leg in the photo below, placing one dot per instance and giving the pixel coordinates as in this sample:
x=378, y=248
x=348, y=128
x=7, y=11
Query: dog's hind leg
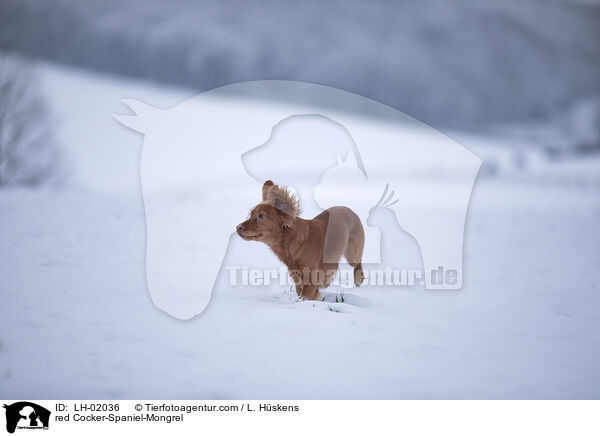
x=353, y=253
x=359, y=275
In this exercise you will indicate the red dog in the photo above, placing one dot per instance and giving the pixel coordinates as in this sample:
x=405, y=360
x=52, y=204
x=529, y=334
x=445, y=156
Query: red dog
x=311, y=249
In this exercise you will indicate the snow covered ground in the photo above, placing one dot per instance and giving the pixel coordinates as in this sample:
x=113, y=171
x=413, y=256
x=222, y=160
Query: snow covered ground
x=76, y=320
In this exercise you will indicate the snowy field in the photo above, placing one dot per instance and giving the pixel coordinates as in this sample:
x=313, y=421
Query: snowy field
x=76, y=320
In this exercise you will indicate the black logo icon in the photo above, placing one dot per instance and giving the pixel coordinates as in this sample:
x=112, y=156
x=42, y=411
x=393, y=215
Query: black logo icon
x=24, y=414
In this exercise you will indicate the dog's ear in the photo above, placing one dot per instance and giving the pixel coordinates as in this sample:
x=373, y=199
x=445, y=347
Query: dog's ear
x=284, y=206
x=287, y=221
x=266, y=188
x=281, y=199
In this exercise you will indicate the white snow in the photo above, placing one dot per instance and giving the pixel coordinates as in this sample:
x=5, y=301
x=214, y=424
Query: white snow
x=76, y=320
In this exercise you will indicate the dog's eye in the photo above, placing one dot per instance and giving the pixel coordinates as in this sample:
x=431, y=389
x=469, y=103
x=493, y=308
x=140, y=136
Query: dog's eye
x=260, y=216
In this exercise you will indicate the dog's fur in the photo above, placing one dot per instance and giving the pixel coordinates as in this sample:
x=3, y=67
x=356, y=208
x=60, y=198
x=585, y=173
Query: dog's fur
x=311, y=249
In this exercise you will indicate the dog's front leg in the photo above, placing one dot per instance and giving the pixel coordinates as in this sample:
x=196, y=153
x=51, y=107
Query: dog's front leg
x=304, y=288
x=307, y=292
x=310, y=292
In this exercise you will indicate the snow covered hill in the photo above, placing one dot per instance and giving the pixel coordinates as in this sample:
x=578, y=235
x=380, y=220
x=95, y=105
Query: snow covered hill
x=76, y=320
x=465, y=63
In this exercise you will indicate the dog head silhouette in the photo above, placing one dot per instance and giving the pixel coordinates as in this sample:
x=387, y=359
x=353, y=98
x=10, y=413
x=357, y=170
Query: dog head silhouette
x=31, y=412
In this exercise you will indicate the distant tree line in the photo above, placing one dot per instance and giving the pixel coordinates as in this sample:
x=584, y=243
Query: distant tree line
x=465, y=64
x=29, y=154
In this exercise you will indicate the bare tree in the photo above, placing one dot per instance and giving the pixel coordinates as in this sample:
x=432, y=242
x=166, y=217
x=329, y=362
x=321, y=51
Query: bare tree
x=28, y=153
